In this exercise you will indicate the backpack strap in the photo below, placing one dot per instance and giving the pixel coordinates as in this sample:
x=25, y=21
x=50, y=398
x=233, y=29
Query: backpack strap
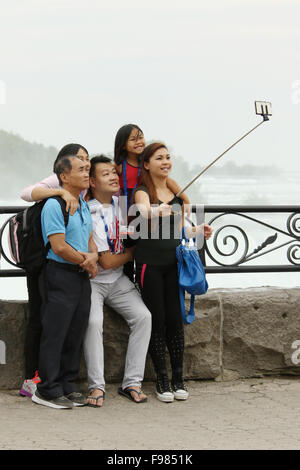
x=63, y=205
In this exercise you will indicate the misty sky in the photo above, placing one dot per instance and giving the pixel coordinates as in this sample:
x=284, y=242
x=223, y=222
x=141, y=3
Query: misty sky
x=187, y=72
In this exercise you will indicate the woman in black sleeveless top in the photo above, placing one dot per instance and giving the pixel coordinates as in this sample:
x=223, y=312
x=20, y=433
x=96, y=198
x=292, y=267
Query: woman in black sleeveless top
x=156, y=262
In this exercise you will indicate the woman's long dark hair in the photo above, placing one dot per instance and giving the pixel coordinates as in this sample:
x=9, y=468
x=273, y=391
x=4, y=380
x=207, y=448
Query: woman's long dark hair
x=146, y=179
x=68, y=151
x=120, y=141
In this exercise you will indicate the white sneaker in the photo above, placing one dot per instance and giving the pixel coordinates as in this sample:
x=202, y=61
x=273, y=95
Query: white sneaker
x=29, y=386
x=166, y=397
x=163, y=391
x=180, y=392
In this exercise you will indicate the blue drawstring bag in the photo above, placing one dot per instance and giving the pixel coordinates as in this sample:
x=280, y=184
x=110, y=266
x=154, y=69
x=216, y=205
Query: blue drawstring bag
x=191, y=276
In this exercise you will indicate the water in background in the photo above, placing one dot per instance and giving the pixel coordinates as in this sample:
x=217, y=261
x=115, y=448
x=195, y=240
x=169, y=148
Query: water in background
x=255, y=190
x=265, y=190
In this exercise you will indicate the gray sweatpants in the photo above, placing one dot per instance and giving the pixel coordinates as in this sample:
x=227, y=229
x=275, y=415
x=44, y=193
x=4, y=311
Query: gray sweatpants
x=123, y=297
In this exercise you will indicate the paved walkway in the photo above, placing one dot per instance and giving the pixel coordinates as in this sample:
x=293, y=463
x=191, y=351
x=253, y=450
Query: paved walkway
x=248, y=414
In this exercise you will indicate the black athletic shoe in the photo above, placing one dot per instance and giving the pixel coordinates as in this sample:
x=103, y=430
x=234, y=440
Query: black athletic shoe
x=59, y=403
x=77, y=399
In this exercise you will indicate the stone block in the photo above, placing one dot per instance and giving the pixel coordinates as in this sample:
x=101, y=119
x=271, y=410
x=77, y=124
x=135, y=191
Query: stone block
x=259, y=328
x=236, y=333
x=12, y=334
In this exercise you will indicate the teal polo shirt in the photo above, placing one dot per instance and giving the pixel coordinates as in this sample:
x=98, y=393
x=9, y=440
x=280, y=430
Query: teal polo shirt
x=78, y=231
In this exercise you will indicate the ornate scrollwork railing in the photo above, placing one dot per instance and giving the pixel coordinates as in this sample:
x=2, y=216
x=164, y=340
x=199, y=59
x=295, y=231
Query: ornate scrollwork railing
x=239, y=236
x=237, y=239
x=9, y=210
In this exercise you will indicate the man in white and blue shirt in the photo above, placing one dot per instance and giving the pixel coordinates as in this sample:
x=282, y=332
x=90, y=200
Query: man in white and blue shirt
x=113, y=287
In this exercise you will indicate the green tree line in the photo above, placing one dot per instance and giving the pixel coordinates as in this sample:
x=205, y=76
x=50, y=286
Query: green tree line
x=23, y=163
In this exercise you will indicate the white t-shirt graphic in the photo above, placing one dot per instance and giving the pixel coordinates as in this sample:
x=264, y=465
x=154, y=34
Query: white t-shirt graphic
x=112, y=215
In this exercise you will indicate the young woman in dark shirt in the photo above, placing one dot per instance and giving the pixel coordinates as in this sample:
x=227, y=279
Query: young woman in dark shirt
x=156, y=262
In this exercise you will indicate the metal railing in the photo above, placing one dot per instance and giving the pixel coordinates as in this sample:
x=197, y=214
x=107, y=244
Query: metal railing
x=11, y=272
x=276, y=240
x=214, y=255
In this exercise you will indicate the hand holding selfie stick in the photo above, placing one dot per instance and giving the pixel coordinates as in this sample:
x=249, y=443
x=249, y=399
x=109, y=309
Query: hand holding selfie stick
x=262, y=108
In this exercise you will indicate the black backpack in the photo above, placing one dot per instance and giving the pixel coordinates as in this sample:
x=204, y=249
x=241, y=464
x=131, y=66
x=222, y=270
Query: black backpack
x=26, y=243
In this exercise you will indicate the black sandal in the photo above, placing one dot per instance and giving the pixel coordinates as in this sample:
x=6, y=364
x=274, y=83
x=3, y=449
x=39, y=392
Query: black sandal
x=126, y=393
x=96, y=398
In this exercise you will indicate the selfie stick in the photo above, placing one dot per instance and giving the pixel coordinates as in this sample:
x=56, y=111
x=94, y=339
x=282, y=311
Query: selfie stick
x=262, y=108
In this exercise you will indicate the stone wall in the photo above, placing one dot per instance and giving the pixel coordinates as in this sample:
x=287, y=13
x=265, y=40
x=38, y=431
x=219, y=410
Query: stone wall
x=237, y=333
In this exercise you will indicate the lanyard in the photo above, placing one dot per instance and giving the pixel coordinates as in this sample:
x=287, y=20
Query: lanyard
x=125, y=181
x=109, y=241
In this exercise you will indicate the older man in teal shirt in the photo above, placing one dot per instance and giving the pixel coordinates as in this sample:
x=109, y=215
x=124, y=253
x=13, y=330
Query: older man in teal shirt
x=65, y=290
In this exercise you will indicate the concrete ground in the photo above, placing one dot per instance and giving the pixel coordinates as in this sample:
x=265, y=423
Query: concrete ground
x=245, y=414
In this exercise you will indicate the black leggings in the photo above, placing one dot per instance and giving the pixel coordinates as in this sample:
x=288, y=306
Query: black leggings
x=160, y=293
